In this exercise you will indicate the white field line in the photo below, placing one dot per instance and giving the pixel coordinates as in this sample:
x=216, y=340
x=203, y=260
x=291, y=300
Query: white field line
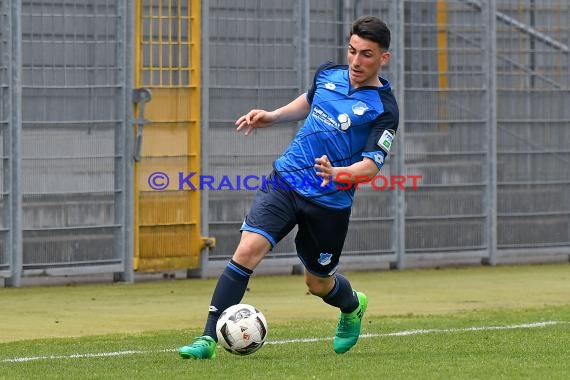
x=292, y=341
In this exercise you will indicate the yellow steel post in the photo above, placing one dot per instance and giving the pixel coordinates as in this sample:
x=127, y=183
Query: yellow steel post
x=442, y=63
x=168, y=219
x=137, y=83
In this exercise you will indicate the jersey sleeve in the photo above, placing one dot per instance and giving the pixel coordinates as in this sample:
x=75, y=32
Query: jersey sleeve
x=313, y=88
x=380, y=138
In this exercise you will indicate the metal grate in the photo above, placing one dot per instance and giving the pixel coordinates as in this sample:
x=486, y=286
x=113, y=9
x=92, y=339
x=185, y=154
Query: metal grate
x=166, y=45
x=5, y=137
x=73, y=131
x=533, y=72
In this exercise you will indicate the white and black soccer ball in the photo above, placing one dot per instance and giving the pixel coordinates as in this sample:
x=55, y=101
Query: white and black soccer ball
x=241, y=329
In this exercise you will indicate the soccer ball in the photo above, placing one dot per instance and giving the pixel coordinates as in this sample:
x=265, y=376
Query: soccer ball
x=241, y=329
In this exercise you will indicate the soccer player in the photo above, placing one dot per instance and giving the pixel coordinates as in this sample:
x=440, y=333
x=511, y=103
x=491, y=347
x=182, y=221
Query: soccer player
x=351, y=118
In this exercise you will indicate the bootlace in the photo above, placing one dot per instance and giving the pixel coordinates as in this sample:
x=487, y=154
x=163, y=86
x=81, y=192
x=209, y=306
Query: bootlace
x=199, y=341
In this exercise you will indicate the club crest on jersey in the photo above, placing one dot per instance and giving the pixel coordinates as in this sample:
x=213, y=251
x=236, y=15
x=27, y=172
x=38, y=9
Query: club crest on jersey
x=359, y=108
x=325, y=258
x=344, y=121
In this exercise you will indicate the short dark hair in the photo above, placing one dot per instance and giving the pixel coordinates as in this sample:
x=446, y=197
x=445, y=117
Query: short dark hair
x=373, y=29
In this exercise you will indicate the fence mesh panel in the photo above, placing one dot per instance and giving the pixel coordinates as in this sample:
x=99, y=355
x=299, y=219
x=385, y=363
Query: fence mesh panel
x=262, y=54
x=5, y=114
x=72, y=131
x=533, y=75
x=255, y=60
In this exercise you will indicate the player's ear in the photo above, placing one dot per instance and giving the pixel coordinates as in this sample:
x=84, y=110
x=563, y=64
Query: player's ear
x=385, y=56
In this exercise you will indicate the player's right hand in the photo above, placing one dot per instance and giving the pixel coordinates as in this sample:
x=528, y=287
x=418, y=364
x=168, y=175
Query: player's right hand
x=255, y=119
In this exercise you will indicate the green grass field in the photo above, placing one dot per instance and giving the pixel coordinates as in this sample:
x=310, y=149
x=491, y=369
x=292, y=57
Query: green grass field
x=507, y=322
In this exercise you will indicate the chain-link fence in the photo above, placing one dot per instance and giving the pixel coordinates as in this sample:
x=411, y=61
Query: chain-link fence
x=483, y=89
x=5, y=138
x=533, y=124
x=68, y=138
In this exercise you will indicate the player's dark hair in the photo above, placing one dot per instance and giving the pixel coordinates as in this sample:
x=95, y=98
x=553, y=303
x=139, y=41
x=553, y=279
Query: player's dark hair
x=373, y=29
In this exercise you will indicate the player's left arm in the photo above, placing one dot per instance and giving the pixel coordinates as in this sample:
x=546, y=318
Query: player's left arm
x=374, y=154
x=359, y=172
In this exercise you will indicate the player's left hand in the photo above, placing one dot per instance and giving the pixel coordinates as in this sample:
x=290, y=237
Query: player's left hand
x=324, y=169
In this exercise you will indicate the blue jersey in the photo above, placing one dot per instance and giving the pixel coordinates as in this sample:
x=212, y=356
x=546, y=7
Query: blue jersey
x=344, y=123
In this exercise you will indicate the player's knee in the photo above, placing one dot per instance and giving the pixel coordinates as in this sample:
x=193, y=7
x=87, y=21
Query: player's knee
x=317, y=288
x=250, y=252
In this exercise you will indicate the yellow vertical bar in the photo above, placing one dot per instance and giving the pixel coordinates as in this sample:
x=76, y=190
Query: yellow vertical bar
x=170, y=63
x=150, y=43
x=160, y=44
x=189, y=44
x=138, y=42
x=179, y=45
x=168, y=223
x=136, y=175
x=442, y=43
x=195, y=63
x=442, y=63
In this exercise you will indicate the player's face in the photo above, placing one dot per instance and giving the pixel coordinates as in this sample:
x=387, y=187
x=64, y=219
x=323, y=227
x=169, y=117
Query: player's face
x=365, y=58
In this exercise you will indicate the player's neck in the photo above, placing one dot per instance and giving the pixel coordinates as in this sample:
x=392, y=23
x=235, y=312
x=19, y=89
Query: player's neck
x=373, y=82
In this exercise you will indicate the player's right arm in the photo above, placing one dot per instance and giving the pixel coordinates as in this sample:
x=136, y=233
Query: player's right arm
x=298, y=109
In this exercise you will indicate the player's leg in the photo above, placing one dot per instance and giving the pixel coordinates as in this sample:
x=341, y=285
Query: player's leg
x=229, y=291
x=335, y=290
x=233, y=281
x=270, y=218
x=319, y=244
x=352, y=305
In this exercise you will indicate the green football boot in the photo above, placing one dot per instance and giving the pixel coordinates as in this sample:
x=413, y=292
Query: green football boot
x=203, y=347
x=348, y=327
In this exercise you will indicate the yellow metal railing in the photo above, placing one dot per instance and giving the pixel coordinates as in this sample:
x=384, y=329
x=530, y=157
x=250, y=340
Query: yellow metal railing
x=442, y=63
x=167, y=231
